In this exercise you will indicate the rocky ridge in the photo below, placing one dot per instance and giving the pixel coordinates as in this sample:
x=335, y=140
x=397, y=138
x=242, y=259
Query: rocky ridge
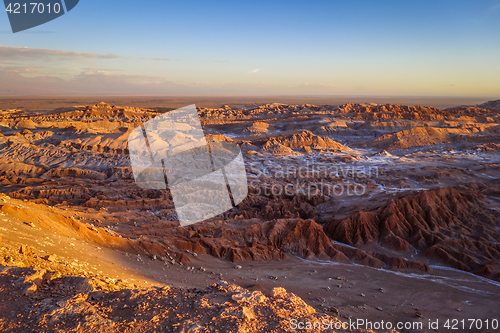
x=69, y=304
x=448, y=225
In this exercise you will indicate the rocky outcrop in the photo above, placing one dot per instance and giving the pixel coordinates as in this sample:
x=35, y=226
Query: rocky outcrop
x=445, y=225
x=491, y=105
x=419, y=136
x=275, y=240
x=74, y=173
x=489, y=147
x=303, y=139
x=274, y=147
x=258, y=126
x=68, y=304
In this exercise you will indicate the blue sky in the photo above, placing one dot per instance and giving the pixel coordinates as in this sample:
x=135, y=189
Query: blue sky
x=424, y=48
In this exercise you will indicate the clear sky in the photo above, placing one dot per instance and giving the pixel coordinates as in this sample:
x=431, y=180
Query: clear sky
x=419, y=48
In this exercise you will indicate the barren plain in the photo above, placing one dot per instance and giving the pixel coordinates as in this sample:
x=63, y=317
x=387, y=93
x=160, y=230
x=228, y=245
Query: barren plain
x=355, y=211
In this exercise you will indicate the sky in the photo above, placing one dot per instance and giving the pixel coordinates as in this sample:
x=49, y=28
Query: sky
x=384, y=48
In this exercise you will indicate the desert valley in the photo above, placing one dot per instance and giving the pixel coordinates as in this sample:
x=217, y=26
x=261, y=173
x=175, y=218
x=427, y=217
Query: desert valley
x=355, y=211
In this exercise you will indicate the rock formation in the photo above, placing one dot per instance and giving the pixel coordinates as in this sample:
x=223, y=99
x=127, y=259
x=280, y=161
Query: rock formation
x=449, y=226
x=37, y=302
